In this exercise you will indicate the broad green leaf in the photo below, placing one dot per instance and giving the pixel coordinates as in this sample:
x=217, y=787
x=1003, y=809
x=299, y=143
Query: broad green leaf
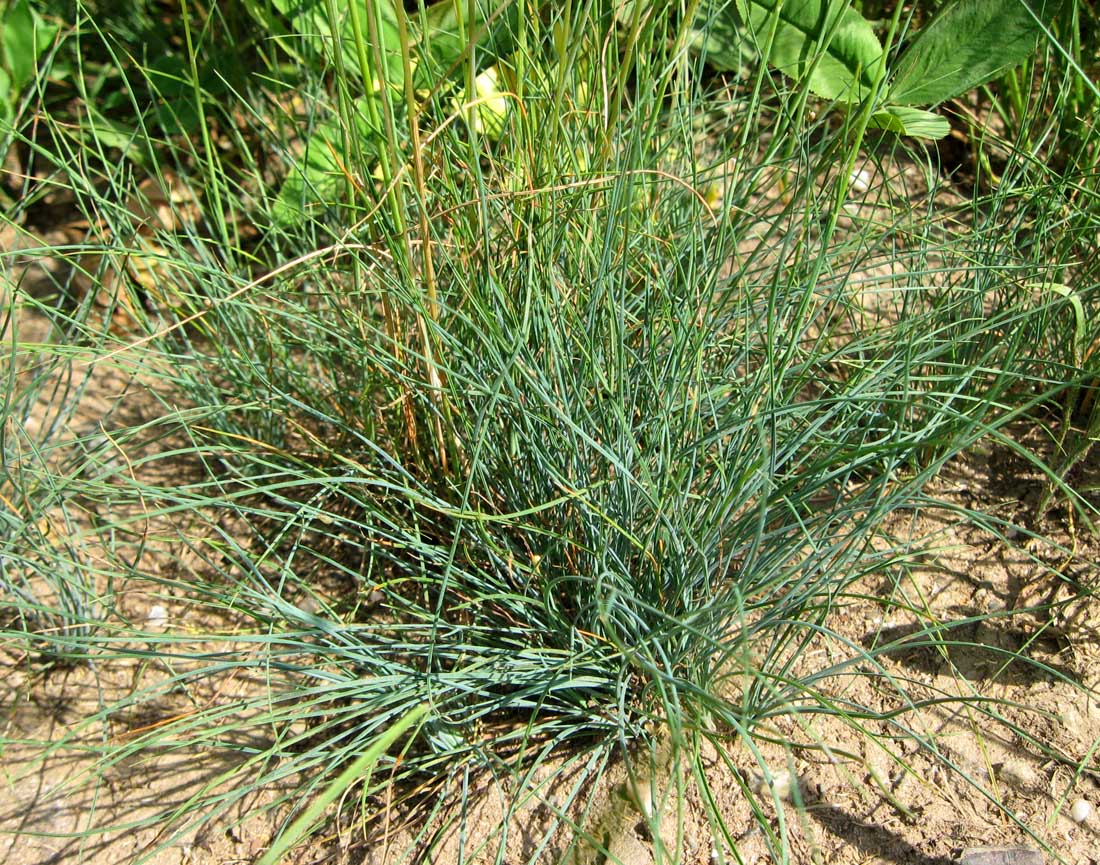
x=825, y=43
x=318, y=183
x=5, y=99
x=310, y=20
x=966, y=44
x=910, y=121
x=24, y=37
x=718, y=35
x=18, y=43
x=110, y=133
x=169, y=80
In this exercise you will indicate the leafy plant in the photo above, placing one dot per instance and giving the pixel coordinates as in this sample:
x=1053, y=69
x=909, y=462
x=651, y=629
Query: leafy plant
x=25, y=37
x=367, y=44
x=967, y=43
x=826, y=44
x=834, y=51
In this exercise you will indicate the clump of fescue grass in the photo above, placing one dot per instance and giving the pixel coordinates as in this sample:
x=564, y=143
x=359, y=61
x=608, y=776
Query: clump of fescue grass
x=597, y=407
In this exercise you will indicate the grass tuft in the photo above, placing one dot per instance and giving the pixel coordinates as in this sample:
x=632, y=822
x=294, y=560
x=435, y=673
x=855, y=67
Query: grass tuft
x=580, y=424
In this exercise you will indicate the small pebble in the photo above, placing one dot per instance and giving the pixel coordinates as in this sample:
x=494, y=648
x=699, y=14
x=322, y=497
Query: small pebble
x=1001, y=856
x=781, y=782
x=1019, y=774
x=640, y=795
x=1081, y=811
x=157, y=616
x=861, y=180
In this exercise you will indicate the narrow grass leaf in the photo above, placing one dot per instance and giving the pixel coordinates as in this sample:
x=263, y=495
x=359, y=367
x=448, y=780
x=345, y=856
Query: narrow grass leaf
x=311, y=817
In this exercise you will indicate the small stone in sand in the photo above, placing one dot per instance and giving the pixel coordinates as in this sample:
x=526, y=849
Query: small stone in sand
x=157, y=616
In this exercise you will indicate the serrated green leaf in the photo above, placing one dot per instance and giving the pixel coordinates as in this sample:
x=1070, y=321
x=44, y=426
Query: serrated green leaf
x=916, y=122
x=968, y=43
x=826, y=44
